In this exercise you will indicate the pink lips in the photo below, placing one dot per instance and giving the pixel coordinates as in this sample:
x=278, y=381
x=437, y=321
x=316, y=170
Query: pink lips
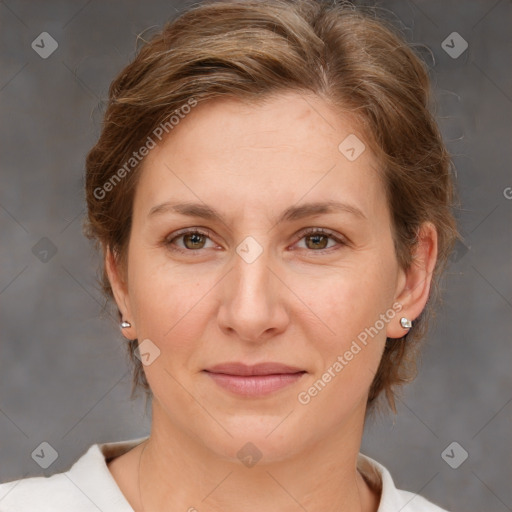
x=256, y=380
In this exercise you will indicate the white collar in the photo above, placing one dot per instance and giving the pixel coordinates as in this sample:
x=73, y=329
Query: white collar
x=88, y=485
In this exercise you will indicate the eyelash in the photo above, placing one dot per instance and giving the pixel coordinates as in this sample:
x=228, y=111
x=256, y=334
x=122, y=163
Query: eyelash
x=168, y=241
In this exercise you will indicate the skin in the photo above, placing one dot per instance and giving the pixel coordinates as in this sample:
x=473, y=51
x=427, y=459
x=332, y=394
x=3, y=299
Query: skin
x=301, y=303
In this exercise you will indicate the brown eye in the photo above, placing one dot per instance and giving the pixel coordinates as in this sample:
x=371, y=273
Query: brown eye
x=191, y=240
x=194, y=240
x=317, y=241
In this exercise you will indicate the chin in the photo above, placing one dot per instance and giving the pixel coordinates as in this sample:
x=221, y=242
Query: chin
x=256, y=439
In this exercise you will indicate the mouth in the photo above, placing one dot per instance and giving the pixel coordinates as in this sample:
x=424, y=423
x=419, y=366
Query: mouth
x=256, y=380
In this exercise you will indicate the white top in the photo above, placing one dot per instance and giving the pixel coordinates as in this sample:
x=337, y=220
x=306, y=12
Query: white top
x=89, y=486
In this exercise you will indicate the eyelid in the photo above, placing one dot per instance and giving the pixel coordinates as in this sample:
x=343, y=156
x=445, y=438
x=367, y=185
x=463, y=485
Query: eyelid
x=311, y=231
x=186, y=231
x=168, y=243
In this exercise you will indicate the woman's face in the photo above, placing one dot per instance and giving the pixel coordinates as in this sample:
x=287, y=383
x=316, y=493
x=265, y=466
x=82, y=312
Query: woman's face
x=255, y=285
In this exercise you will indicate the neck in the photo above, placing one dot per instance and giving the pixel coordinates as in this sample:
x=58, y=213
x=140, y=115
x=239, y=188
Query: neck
x=178, y=472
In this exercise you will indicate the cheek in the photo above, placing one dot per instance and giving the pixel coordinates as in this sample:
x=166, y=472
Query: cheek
x=352, y=308
x=346, y=360
x=166, y=300
x=345, y=301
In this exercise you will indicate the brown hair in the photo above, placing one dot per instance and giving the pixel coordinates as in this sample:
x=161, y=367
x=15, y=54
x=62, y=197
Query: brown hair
x=250, y=50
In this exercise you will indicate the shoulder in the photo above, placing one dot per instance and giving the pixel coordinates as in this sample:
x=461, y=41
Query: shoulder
x=87, y=486
x=392, y=499
x=415, y=503
x=54, y=493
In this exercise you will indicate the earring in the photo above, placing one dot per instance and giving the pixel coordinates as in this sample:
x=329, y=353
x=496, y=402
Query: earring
x=405, y=323
x=124, y=324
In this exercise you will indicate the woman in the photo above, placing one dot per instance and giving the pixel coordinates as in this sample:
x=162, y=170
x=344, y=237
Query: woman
x=272, y=199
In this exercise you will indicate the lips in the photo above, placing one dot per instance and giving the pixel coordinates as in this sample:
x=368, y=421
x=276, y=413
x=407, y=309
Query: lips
x=257, y=369
x=256, y=380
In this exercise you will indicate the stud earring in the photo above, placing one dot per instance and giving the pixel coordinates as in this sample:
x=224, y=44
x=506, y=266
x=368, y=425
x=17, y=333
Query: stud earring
x=124, y=324
x=405, y=323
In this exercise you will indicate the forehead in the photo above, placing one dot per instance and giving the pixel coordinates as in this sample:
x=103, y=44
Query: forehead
x=303, y=123
x=270, y=153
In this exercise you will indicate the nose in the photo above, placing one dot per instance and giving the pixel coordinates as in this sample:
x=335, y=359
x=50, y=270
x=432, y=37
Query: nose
x=253, y=299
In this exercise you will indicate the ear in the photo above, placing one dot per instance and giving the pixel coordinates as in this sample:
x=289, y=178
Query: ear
x=413, y=284
x=120, y=291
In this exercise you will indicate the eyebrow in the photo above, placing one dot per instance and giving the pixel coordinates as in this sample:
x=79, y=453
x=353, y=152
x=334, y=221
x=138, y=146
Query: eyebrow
x=290, y=214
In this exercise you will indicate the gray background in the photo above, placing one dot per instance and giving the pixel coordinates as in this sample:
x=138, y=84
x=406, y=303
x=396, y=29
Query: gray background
x=64, y=375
